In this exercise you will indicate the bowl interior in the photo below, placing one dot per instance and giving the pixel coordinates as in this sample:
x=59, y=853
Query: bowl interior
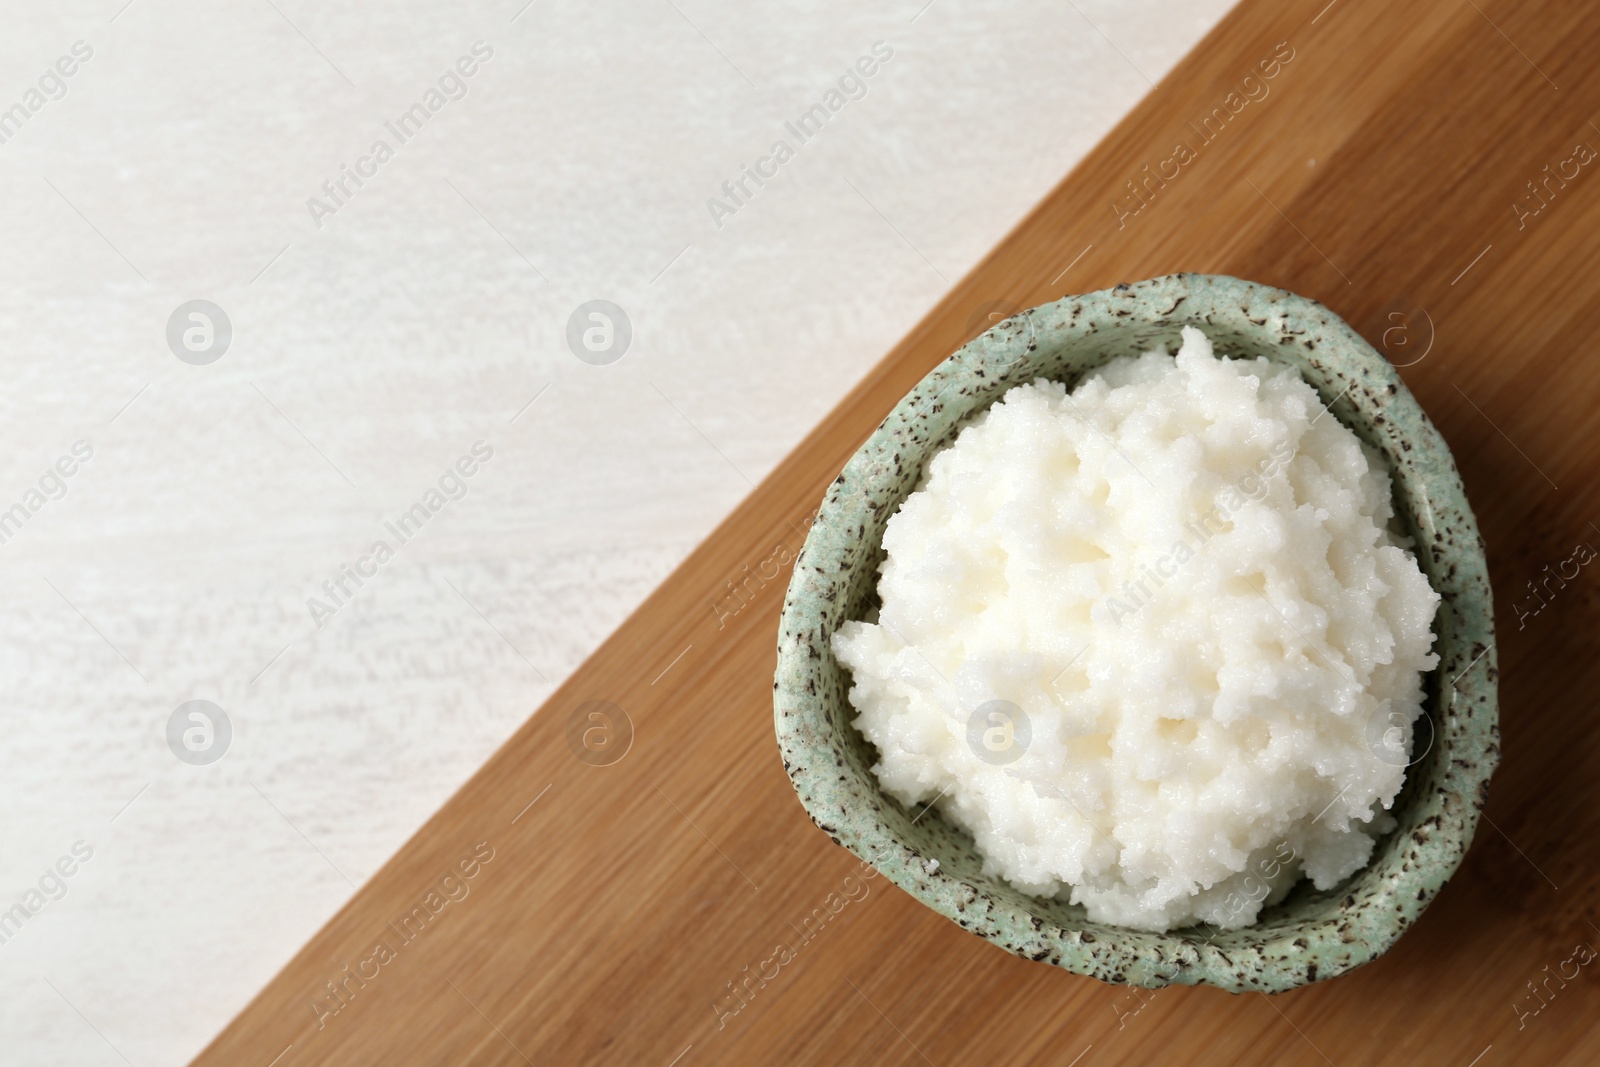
x=1310, y=933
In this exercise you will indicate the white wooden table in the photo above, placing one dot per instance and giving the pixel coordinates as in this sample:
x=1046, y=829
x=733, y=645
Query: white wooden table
x=381, y=328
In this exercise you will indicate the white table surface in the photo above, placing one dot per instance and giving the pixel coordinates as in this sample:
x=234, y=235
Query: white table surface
x=372, y=351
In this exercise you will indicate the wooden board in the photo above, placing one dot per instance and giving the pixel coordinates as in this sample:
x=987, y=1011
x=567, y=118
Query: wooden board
x=1380, y=172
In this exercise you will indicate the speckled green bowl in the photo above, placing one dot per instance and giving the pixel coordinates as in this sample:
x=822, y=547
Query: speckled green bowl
x=1310, y=935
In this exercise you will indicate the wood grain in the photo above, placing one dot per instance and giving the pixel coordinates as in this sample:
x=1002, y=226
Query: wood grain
x=1380, y=170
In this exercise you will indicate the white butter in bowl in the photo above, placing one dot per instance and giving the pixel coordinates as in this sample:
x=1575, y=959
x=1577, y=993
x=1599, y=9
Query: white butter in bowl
x=1151, y=641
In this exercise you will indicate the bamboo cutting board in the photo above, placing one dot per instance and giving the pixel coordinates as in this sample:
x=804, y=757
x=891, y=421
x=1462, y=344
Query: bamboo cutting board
x=1424, y=169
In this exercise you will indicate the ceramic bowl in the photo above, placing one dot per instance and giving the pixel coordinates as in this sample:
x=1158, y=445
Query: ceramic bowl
x=1309, y=936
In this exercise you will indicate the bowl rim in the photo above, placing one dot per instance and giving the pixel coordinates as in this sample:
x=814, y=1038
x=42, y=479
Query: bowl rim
x=1443, y=806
